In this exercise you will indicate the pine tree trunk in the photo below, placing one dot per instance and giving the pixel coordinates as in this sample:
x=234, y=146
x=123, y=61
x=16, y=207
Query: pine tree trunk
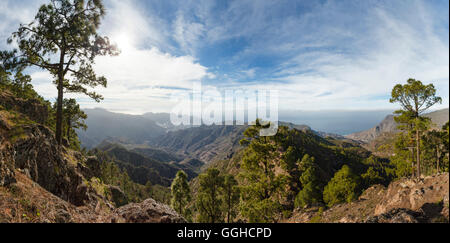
x=411, y=150
x=438, y=155
x=418, y=151
x=59, y=113
x=229, y=207
x=59, y=104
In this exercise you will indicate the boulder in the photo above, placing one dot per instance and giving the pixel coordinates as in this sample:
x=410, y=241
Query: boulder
x=117, y=196
x=149, y=211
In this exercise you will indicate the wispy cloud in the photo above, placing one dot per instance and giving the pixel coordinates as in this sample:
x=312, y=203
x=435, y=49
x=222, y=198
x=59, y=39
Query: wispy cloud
x=318, y=54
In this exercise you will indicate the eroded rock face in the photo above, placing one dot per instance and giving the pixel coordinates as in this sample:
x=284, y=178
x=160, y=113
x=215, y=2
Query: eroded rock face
x=45, y=163
x=414, y=193
x=6, y=158
x=6, y=167
x=149, y=211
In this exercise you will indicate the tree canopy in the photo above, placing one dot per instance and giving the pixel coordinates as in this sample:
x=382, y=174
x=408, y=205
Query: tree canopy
x=181, y=193
x=63, y=39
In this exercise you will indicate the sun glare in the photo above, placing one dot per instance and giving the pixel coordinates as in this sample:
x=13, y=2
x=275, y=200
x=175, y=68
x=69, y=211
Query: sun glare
x=123, y=42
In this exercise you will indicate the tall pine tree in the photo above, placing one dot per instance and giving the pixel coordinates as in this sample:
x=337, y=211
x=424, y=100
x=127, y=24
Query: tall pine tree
x=63, y=39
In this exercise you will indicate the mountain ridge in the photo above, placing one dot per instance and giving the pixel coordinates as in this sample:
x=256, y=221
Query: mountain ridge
x=388, y=125
x=143, y=129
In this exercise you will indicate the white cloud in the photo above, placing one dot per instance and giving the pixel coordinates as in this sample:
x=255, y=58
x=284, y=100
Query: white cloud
x=12, y=13
x=138, y=77
x=150, y=68
x=142, y=77
x=187, y=33
x=332, y=57
x=393, y=49
x=128, y=18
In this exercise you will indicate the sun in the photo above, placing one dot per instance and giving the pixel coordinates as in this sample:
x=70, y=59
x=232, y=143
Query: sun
x=123, y=42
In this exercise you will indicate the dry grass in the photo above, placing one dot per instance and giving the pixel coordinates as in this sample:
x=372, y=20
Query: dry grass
x=27, y=202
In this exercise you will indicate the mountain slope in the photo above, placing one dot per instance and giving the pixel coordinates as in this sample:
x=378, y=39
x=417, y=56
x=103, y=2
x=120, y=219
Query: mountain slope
x=388, y=125
x=103, y=124
x=141, y=168
x=206, y=143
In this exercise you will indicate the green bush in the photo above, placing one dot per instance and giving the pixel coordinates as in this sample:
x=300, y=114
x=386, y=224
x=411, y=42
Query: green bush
x=344, y=187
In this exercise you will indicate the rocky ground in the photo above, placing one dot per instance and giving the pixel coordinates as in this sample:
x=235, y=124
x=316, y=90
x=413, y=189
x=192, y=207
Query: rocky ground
x=406, y=200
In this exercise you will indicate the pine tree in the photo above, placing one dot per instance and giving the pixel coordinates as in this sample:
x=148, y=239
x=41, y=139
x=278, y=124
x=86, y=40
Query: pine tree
x=181, y=193
x=209, y=201
x=343, y=187
x=231, y=196
x=414, y=98
x=311, y=192
x=262, y=188
x=66, y=29
x=73, y=118
x=434, y=148
x=445, y=139
x=290, y=163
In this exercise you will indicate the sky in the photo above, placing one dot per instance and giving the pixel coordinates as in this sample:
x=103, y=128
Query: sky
x=319, y=55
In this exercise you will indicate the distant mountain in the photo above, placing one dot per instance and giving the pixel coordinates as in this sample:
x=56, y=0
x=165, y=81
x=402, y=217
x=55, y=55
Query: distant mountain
x=205, y=143
x=388, y=125
x=142, y=168
x=154, y=136
x=439, y=117
x=103, y=124
x=163, y=120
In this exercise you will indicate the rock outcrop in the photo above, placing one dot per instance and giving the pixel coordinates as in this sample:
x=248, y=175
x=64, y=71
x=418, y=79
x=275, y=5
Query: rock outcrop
x=6, y=167
x=6, y=155
x=31, y=107
x=118, y=197
x=50, y=165
x=398, y=215
x=414, y=193
x=149, y=211
x=403, y=201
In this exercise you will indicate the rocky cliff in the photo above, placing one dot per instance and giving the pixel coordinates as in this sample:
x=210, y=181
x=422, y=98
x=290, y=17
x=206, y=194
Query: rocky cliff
x=403, y=201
